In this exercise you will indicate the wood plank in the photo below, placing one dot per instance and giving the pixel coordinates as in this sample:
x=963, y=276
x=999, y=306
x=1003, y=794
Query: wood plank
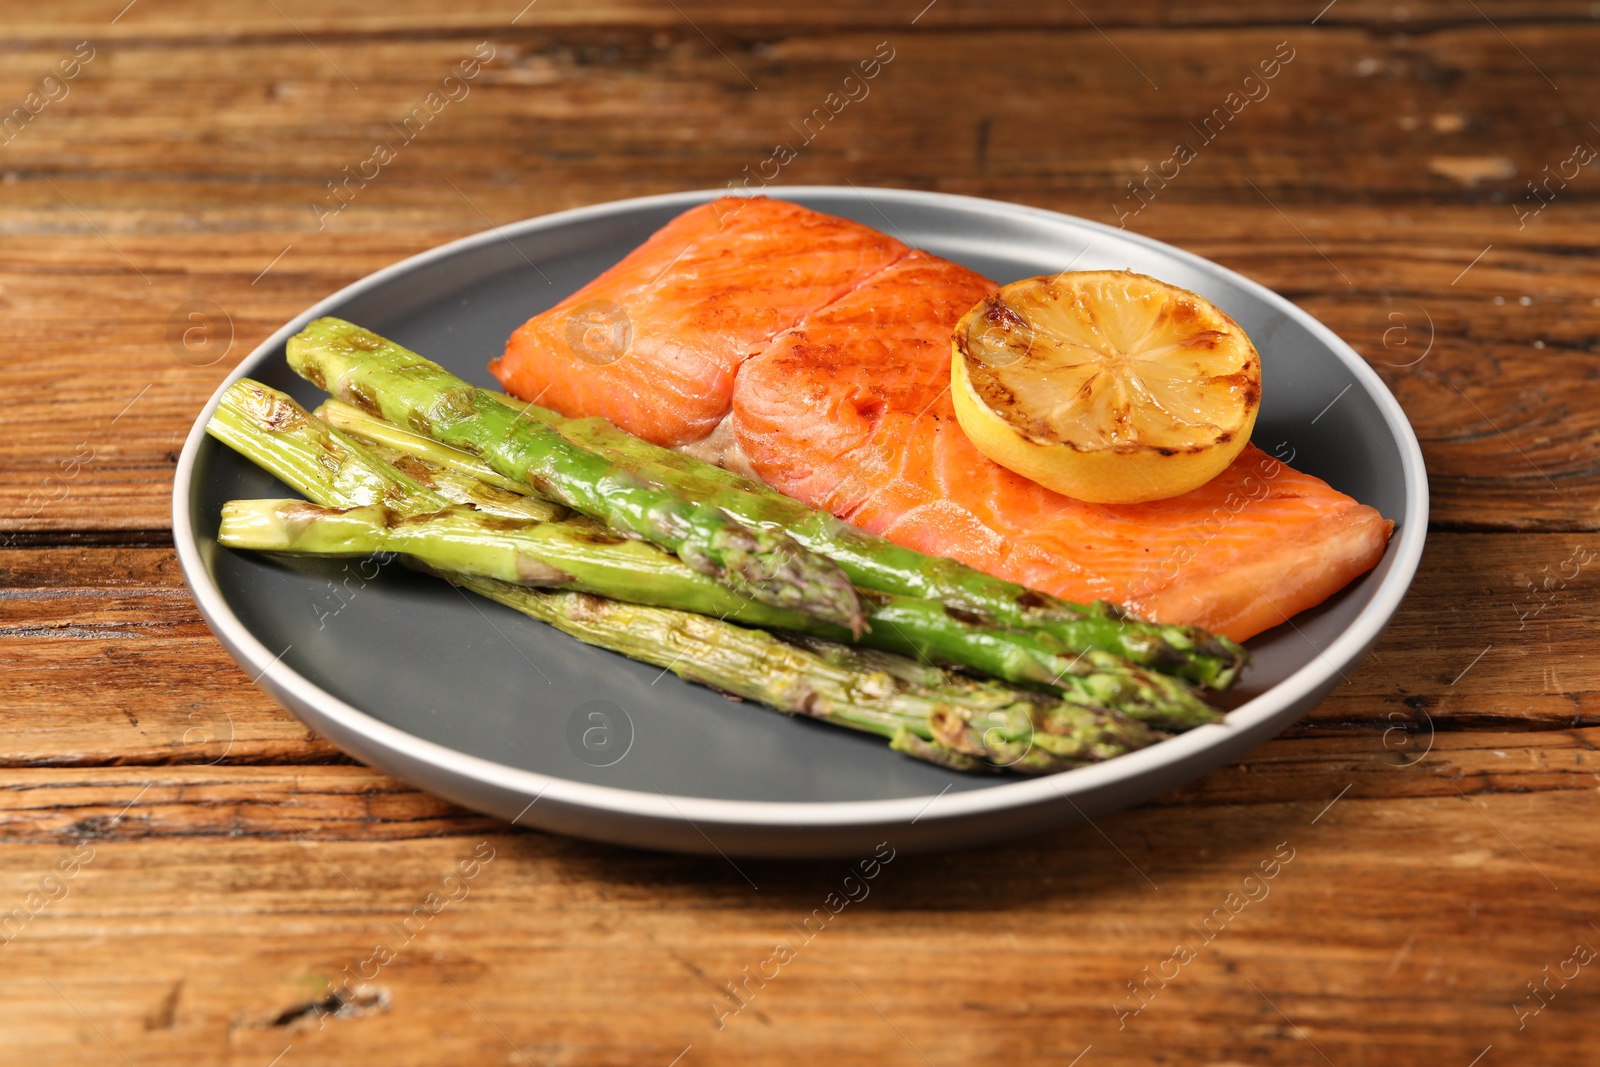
x=109, y=662
x=121, y=618
x=345, y=18
x=1394, y=933
x=315, y=803
x=228, y=869
x=1482, y=642
x=240, y=138
x=1497, y=400
x=568, y=109
x=354, y=804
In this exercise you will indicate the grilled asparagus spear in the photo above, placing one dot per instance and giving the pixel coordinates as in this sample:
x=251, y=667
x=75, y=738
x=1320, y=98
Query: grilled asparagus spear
x=1187, y=652
x=947, y=719
x=584, y=557
x=407, y=389
x=927, y=713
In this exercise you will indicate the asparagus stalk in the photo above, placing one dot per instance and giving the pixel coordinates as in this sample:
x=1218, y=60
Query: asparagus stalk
x=358, y=423
x=925, y=712
x=275, y=432
x=940, y=717
x=871, y=562
x=928, y=630
x=467, y=491
x=583, y=556
x=487, y=546
x=406, y=389
x=270, y=429
x=875, y=563
x=589, y=559
x=1067, y=716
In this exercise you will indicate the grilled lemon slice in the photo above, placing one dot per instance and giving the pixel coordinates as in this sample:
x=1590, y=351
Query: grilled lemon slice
x=1107, y=386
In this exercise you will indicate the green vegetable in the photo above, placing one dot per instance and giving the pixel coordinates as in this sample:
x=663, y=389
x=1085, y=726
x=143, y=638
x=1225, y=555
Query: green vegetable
x=415, y=521
x=939, y=717
x=383, y=378
x=871, y=562
x=271, y=430
x=925, y=712
x=582, y=556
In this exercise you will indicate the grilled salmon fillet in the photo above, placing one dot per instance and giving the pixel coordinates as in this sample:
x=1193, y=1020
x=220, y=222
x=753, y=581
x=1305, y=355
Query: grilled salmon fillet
x=814, y=352
x=705, y=292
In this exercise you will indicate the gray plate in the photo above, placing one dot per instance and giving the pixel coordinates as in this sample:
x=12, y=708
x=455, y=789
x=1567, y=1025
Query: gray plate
x=499, y=713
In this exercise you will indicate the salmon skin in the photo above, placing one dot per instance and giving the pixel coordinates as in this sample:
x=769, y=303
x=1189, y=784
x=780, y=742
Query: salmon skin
x=814, y=353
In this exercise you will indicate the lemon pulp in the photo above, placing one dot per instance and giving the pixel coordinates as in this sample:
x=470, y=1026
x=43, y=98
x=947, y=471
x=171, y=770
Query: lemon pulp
x=1108, y=386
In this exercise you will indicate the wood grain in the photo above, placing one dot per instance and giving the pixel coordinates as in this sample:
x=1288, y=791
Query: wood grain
x=252, y=129
x=1480, y=644
x=349, y=18
x=230, y=870
x=564, y=952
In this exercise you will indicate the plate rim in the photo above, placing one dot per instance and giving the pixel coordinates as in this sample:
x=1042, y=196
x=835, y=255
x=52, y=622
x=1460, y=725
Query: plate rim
x=270, y=672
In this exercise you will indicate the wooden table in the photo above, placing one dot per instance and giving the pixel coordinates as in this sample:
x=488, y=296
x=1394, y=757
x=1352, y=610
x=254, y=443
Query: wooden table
x=187, y=869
